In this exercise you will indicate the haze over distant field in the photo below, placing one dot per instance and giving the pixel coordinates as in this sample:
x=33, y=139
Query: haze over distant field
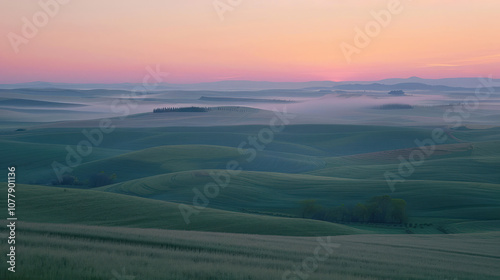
x=113, y=41
x=311, y=106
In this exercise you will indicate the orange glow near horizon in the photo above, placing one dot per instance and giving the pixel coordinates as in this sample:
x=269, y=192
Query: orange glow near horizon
x=283, y=40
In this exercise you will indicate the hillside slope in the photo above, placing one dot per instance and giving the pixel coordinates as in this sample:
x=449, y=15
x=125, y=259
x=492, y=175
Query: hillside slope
x=57, y=205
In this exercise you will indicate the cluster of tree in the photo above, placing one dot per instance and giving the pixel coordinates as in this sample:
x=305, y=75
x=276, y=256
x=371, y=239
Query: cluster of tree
x=181, y=109
x=378, y=209
x=397, y=92
x=200, y=109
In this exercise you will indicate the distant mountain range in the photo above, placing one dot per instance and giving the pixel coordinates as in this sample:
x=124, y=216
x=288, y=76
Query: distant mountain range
x=413, y=83
x=401, y=86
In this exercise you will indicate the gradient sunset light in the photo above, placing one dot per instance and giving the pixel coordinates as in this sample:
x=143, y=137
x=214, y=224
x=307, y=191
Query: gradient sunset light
x=283, y=40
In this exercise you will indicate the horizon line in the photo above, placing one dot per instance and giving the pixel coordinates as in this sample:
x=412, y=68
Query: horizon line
x=255, y=81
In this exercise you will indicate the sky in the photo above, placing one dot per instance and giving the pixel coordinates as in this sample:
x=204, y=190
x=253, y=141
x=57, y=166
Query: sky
x=113, y=41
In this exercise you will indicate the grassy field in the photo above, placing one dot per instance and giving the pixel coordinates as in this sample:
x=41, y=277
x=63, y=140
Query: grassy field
x=81, y=252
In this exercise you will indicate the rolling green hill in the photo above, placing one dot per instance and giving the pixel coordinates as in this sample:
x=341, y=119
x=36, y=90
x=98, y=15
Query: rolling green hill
x=43, y=204
x=35, y=159
x=467, y=162
x=335, y=164
x=247, y=230
x=280, y=193
x=175, y=158
x=357, y=152
x=314, y=140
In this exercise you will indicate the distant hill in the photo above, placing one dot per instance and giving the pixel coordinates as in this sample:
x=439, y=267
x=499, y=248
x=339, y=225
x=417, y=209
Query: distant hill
x=36, y=103
x=451, y=82
x=401, y=86
x=254, y=85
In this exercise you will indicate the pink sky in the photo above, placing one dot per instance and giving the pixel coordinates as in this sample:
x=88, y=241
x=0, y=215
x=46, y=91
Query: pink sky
x=282, y=40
